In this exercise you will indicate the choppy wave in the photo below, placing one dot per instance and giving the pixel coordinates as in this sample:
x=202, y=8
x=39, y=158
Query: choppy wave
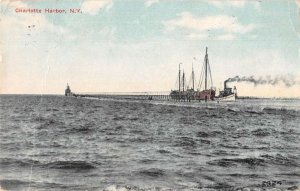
x=279, y=159
x=226, y=162
x=66, y=143
x=16, y=183
x=251, y=162
x=27, y=184
x=77, y=165
x=153, y=172
x=262, y=132
x=281, y=111
x=25, y=163
x=208, y=134
x=185, y=142
x=12, y=162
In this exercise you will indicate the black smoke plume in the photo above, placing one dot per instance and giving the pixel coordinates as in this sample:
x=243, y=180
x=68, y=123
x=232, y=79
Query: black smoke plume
x=288, y=81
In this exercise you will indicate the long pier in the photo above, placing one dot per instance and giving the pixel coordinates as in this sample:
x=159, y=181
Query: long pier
x=163, y=96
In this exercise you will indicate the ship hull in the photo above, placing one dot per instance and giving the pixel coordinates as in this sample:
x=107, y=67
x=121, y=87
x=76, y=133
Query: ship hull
x=206, y=95
x=231, y=97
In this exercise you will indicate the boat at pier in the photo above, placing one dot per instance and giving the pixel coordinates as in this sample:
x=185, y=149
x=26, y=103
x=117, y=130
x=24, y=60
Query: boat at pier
x=186, y=91
x=205, y=90
x=207, y=93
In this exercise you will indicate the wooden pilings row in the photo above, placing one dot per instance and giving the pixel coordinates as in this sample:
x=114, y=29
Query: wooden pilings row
x=159, y=97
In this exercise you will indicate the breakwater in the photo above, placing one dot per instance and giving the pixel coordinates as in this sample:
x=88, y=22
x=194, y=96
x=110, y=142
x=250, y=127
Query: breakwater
x=138, y=96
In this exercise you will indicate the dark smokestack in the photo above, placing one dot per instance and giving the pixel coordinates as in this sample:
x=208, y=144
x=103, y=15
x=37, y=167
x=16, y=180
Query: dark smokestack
x=288, y=81
x=225, y=84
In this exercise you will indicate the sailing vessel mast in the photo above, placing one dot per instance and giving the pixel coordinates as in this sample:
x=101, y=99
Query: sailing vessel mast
x=191, y=93
x=179, y=78
x=193, y=76
x=206, y=60
x=208, y=93
x=183, y=79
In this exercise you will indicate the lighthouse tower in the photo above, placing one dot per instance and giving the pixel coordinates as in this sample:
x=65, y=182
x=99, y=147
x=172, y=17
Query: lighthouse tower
x=68, y=91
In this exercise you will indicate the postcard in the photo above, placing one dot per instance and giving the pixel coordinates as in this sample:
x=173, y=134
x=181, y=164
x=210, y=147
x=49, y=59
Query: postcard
x=149, y=95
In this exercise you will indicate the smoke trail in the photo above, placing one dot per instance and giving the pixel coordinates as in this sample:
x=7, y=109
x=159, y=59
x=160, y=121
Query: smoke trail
x=288, y=81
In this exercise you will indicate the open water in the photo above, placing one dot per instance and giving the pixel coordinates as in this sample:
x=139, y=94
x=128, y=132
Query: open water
x=67, y=143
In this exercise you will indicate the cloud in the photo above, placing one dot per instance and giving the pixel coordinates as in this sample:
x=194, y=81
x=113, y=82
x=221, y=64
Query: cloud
x=237, y=3
x=216, y=3
x=205, y=36
x=148, y=3
x=92, y=7
x=225, y=37
x=197, y=36
x=220, y=3
x=234, y=3
x=220, y=22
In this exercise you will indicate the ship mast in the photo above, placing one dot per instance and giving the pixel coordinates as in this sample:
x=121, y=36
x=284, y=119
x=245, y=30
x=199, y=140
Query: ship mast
x=183, y=79
x=206, y=60
x=193, y=76
x=179, y=78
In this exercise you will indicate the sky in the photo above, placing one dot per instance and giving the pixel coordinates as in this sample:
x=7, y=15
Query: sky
x=137, y=45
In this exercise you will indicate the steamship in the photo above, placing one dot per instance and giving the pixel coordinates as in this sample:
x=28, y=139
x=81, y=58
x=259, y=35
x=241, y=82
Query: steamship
x=228, y=94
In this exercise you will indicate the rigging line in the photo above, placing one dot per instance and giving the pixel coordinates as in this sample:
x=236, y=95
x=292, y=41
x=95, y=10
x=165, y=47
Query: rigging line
x=211, y=82
x=190, y=80
x=199, y=82
x=201, y=75
x=176, y=83
x=185, y=82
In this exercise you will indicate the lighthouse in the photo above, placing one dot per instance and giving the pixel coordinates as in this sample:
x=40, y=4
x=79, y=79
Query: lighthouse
x=68, y=91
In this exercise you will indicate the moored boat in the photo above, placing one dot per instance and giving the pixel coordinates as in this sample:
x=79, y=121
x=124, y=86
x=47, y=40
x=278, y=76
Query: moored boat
x=205, y=90
x=208, y=93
